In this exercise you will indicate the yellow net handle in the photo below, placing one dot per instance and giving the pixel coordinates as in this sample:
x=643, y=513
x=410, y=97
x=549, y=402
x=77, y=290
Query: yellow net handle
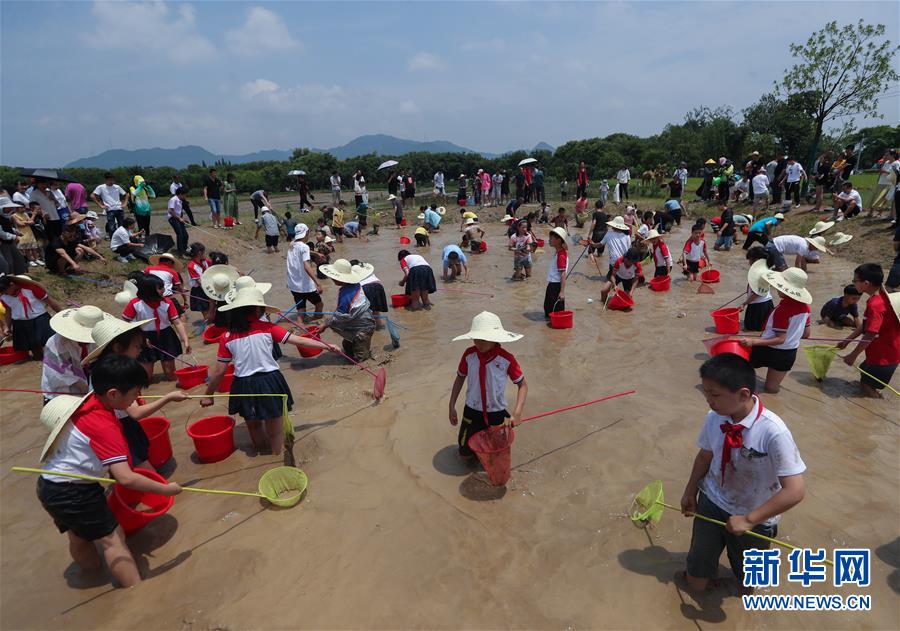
x=286, y=421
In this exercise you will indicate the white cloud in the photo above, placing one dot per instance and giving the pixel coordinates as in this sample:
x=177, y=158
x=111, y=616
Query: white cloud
x=409, y=107
x=258, y=86
x=495, y=44
x=263, y=31
x=266, y=95
x=154, y=27
x=424, y=61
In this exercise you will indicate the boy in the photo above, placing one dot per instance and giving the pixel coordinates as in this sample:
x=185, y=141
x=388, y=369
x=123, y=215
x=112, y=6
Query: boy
x=422, y=237
x=545, y=212
x=301, y=276
x=842, y=311
x=290, y=225
x=121, y=242
x=86, y=438
x=272, y=225
x=337, y=221
x=560, y=220
x=847, y=203
x=352, y=318
x=748, y=471
x=455, y=263
x=486, y=360
x=880, y=330
x=694, y=251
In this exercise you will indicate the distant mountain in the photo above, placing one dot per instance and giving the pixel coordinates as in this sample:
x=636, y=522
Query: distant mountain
x=177, y=158
x=385, y=145
x=543, y=146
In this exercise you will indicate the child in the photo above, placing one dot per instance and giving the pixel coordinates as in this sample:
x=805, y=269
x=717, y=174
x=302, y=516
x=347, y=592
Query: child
x=418, y=279
x=166, y=268
x=302, y=278
x=789, y=322
x=842, y=311
x=289, y=226
x=693, y=252
x=880, y=331
x=62, y=372
x=272, y=225
x=618, y=240
x=196, y=266
x=747, y=473
x=321, y=252
x=397, y=205
x=466, y=215
x=470, y=236
x=121, y=244
x=337, y=221
x=758, y=304
x=28, y=244
x=26, y=306
x=647, y=222
x=422, y=237
x=454, y=262
x=604, y=191
x=164, y=330
x=352, y=319
x=485, y=366
x=627, y=271
x=86, y=439
x=557, y=270
x=662, y=258
x=545, y=212
x=521, y=245
x=560, y=220
x=92, y=236
x=374, y=291
x=249, y=344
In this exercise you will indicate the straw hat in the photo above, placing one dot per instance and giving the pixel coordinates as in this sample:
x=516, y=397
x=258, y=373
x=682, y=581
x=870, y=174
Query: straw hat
x=840, y=238
x=170, y=258
x=560, y=232
x=441, y=210
x=818, y=243
x=329, y=239
x=343, y=272
x=91, y=215
x=487, y=326
x=6, y=202
x=217, y=280
x=792, y=283
x=248, y=297
x=242, y=283
x=76, y=324
x=710, y=161
x=653, y=234
x=76, y=218
x=507, y=218
x=779, y=216
x=108, y=330
x=618, y=223
x=470, y=221
x=55, y=416
x=820, y=227
x=391, y=197
x=756, y=277
x=421, y=216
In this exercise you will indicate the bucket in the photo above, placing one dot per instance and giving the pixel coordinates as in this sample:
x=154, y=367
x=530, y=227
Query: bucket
x=399, y=300
x=403, y=222
x=157, y=430
x=745, y=229
x=539, y=243
x=730, y=346
x=710, y=276
x=191, y=376
x=213, y=334
x=213, y=437
x=492, y=446
x=309, y=352
x=9, y=355
x=229, y=222
x=620, y=302
x=561, y=319
x=483, y=246
x=227, y=380
x=727, y=320
x=404, y=241
x=660, y=283
x=122, y=503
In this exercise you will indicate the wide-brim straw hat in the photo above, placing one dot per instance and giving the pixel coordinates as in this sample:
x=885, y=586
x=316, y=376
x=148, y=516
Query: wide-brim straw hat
x=470, y=221
x=560, y=232
x=779, y=216
x=55, y=416
x=792, y=283
x=653, y=234
x=421, y=216
x=343, y=272
x=618, y=223
x=75, y=218
x=507, y=218
x=820, y=227
x=756, y=277
x=23, y=280
x=6, y=202
x=441, y=210
x=329, y=239
x=488, y=327
x=249, y=297
x=818, y=243
x=218, y=280
x=128, y=293
x=840, y=238
x=108, y=330
x=710, y=161
x=156, y=258
x=77, y=323
x=243, y=282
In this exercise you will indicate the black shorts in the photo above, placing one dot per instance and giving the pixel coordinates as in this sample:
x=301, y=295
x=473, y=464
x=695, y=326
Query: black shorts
x=661, y=270
x=472, y=422
x=421, y=239
x=881, y=373
x=693, y=266
x=781, y=359
x=626, y=283
x=271, y=241
x=80, y=508
x=300, y=299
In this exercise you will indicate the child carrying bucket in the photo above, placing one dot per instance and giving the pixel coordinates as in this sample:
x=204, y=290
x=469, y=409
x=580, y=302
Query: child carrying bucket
x=693, y=252
x=662, y=258
x=418, y=278
x=26, y=303
x=758, y=304
x=484, y=367
x=557, y=270
x=627, y=272
x=86, y=439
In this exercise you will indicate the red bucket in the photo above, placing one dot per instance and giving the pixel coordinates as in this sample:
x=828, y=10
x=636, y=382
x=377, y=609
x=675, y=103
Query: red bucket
x=191, y=377
x=213, y=438
x=213, y=334
x=9, y=355
x=483, y=246
x=539, y=243
x=728, y=321
x=399, y=300
x=730, y=346
x=123, y=502
x=227, y=380
x=660, y=283
x=229, y=222
x=404, y=241
x=620, y=302
x=403, y=222
x=157, y=430
x=493, y=448
x=702, y=263
x=745, y=229
x=309, y=352
x=710, y=276
x=561, y=319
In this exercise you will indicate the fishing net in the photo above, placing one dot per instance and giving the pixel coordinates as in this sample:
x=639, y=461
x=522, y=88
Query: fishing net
x=283, y=486
x=493, y=448
x=819, y=358
x=647, y=507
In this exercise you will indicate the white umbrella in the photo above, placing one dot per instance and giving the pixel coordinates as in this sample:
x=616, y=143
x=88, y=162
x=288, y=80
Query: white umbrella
x=297, y=172
x=387, y=163
x=527, y=161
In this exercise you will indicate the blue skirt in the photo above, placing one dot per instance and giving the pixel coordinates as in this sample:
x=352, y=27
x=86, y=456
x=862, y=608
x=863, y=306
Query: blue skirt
x=31, y=335
x=262, y=407
x=420, y=278
x=166, y=340
x=199, y=301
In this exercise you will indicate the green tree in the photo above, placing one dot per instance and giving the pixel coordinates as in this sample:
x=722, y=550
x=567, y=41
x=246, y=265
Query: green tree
x=788, y=121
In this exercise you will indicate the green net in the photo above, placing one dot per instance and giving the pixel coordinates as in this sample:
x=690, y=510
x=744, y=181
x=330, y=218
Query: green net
x=647, y=508
x=819, y=358
x=283, y=486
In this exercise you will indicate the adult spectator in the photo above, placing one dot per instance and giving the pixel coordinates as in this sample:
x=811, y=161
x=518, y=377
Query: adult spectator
x=725, y=172
x=65, y=251
x=497, y=188
x=581, y=180
x=777, y=180
x=623, y=177
x=258, y=199
x=847, y=203
x=11, y=259
x=409, y=190
x=760, y=231
x=175, y=212
x=885, y=186
x=212, y=193
x=121, y=243
x=76, y=198
x=681, y=174
x=360, y=194
x=335, y=182
x=230, y=199
x=393, y=184
x=42, y=195
x=676, y=188
x=760, y=187
x=822, y=176
x=794, y=173
x=504, y=187
x=520, y=183
x=62, y=204
x=529, y=183
x=108, y=197
x=771, y=165
x=439, y=184
x=539, y=185
x=175, y=185
x=754, y=164
x=842, y=168
x=141, y=193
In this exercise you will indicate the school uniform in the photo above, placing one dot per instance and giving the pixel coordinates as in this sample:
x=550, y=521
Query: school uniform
x=693, y=254
x=256, y=371
x=882, y=353
x=791, y=317
x=62, y=372
x=662, y=259
x=558, y=266
x=626, y=276
x=171, y=280
x=199, y=301
x=374, y=291
x=159, y=332
x=30, y=320
x=617, y=243
x=756, y=314
x=486, y=375
x=419, y=275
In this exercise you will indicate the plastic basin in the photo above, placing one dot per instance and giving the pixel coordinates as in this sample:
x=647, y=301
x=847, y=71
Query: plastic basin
x=399, y=300
x=660, y=283
x=620, y=302
x=730, y=346
x=213, y=334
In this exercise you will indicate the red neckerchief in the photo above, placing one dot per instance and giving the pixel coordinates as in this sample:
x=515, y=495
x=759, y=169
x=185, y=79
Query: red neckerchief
x=26, y=304
x=483, y=360
x=155, y=307
x=734, y=439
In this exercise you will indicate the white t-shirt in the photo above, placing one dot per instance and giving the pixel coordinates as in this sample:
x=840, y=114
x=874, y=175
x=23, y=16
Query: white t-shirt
x=623, y=176
x=895, y=165
x=21, y=198
x=761, y=184
x=791, y=244
x=886, y=173
x=119, y=238
x=617, y=243
x=439, y=180
x=335, y=182
x=60, y=198
x=174, y=186
x=110, y=196
x=852, y=195
x=297, y=278
x=175, y=207
x=751, y=475
x=413, y=260
x=793, y=172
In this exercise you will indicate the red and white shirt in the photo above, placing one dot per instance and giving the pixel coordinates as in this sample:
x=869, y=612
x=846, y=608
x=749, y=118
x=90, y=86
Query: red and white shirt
x=790, y=317
x=694, y=251
x=251, y=350
x=163, y=313
x=487, y=374
x=661, y=255
x=880, y=319
x=412, y=260
x=92, y=441
x=195, y=271
x=559, y=265
x=624, y=272
x=25, y=304
x=165, y=273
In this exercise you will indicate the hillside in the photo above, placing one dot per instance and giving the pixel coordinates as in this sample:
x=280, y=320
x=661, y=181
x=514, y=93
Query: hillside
x=385, y=145
x=178, y=158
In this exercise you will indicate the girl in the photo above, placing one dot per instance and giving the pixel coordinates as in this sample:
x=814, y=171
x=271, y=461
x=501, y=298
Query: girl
x=166, y=267
x=789, y=322
x=418, y=279
x=249, y=344
x=163, y=329
x=627, y=272
x=62, y=371
x=28, y=244
x=196, y=266
x=555, y=295
x=521, y=245
x=374, y=291
x=759, y=303
x=26, y=305
x=216, y=282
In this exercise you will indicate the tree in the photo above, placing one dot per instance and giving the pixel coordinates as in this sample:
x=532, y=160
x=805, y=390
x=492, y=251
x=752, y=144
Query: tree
x=789, y=121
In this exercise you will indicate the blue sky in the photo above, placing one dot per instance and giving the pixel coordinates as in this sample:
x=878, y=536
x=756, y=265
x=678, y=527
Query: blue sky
x=237, y=77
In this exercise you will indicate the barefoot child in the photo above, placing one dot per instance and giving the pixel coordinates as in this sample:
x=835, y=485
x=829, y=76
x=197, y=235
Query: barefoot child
x=422, y=237
x=26, y=308
x=747, y=473
x=352, y=318
x=662, y=258
x=842, y=311
x=455, y=263
x=374, y=291
x=555, y=294
x=693, y=252
x=418, y=278
x=62, y=371
x=521, y=244
x=87, y=439
x=627, y=272
x=486, y=366
x=195, y=267
x=272, y=225
x=617, y=239
x=758, y=304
